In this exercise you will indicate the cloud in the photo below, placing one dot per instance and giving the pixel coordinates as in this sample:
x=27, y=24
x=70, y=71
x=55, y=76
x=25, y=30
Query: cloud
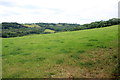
x=70, y=11
x=6, y=3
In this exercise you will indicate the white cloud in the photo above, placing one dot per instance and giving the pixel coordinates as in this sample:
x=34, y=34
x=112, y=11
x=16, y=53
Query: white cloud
x=68, y=11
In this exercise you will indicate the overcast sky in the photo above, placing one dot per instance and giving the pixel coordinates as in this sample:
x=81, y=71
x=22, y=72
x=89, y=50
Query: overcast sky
x=57, y=11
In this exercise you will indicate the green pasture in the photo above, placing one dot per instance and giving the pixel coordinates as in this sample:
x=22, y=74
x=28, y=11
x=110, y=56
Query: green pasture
x=48, y=30
x=31, y=25
x=88, y=53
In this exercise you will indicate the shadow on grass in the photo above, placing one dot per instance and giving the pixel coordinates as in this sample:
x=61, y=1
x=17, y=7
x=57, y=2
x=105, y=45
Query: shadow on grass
x=60, y=61
x=74, y=56
x=89, y=44
x=93, y=40
x=87, y=64
x=40, y=59
x=101, y=46
x=81, y=51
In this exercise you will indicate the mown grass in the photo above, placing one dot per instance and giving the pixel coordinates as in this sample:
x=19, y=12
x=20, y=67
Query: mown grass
x=80, y=54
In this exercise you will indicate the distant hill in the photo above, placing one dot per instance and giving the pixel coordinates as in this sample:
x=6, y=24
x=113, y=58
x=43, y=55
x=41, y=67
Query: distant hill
x=31, y=25
x=10, y=29
x=11, y=25
x=13, y=29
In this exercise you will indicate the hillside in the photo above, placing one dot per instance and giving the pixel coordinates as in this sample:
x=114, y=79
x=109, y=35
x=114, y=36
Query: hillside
x=31, y=25
x=88, y=53
x=13, y=29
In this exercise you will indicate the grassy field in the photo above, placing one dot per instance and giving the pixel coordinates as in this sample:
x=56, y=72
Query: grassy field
x=48, y=30
x=77, y=54
x=31, y=25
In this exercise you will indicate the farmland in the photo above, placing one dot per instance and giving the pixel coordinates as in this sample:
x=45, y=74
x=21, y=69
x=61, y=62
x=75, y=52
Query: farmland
x=31, y=25
x=90, y=53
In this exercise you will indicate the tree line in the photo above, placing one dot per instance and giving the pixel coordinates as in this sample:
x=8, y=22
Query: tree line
x=13, y=29
x=60, y=27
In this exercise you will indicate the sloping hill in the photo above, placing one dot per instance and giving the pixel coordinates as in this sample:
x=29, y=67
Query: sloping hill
x=31, y=25
x=13, y=29
x=49, y=31
x=80, y=54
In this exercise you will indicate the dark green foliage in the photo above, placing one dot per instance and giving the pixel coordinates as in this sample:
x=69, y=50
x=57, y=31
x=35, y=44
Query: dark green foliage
x=98, y=24
x=59, y=27
x=6, y=25
x=16, y=30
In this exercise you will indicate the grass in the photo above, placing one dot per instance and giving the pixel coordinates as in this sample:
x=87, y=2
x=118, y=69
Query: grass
x=31, y=25
x=60, y=61
x=48, y=30
x=80, y=54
